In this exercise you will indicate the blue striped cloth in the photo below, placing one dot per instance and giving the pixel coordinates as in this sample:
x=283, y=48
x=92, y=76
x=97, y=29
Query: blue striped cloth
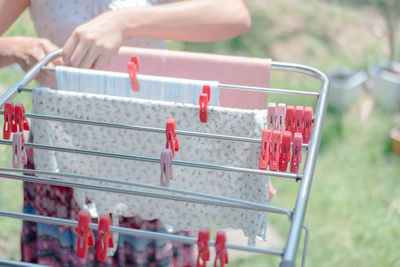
x=118, y=84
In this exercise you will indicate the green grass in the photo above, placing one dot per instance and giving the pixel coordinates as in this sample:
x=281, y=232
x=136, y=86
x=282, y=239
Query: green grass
x=354, y=207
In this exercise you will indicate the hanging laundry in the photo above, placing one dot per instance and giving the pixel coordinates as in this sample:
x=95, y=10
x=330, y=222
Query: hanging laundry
x=119, y=84
x=150, y=113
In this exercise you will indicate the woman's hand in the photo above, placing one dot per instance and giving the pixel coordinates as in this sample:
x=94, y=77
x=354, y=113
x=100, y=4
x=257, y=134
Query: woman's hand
x=92, y=44
x=27, y=51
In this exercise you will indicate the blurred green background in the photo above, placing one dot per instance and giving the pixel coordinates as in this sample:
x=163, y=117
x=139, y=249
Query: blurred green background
x=354, y=207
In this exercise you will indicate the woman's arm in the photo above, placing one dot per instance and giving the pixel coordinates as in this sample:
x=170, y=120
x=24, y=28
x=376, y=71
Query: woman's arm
x=93, y=43
x=25, y=51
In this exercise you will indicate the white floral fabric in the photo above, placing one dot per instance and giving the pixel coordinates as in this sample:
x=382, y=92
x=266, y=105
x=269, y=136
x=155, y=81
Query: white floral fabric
x=179, y=215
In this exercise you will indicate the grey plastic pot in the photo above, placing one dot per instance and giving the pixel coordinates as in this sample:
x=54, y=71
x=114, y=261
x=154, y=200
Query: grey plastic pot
x=345, y=87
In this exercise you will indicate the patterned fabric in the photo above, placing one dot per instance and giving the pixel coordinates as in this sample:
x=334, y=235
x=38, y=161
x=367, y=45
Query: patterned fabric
x=180, y=215
x=118, y=84
x=56, y=245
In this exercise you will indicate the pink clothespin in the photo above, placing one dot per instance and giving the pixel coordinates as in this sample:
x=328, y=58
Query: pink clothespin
x=272, y=116
x=85, y=235
x=172, y=139
x=202, y=247
x=204, y=100
x=281, y=116
x=20, y=119
x=133, y=70
x=289, y=122
x=220, y=250
x=265, y=147
x=166, y=167
x=9, y=122
x=296, y=152
x=308, y=124
x=285, y=151
x=275, y=150
x=298, y=119
x=104, y=237
x=19, y=152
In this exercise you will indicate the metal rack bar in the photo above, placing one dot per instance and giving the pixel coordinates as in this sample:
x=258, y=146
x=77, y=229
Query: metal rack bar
x=157, y=160
x=35, y=179
x=260, y=206
x=245, y=88
x=292, y=244
x=142, y=128
x=132, y=232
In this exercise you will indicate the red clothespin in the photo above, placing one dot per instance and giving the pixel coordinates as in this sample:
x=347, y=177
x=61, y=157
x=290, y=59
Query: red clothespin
x=20, y=119
x=104, y=237
x=298, y=119
x=308, y=124
x=289, y=122
x=275, y=150
x=265, y=144
x=281, y=116
x=172, y=139
x=296, y=152
x=285, y=151
x=204, y=100
x=166, y=167
x=133, y=70
x=220, y=250
x=272, y=116
x=85, y=235
x=9, y=122
x=202, y=246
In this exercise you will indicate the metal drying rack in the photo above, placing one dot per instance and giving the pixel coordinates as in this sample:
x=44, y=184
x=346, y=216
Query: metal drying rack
x=295, y=216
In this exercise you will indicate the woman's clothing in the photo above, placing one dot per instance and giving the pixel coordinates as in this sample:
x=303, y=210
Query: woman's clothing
x=56, y=19
x=54, y=245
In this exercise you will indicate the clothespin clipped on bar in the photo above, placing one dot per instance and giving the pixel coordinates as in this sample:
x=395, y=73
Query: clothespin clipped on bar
x=296, y=152
x=265, y=148
x=298, y=119
x=172, y=139
x=281, y=116
x=221, y=254
x=20, y=119
x=308, y=124
x=289, y=122
x=166, y=167
x=104, y=237
x=85, y=235
x=275, y=151
x=204, y=100
x=133, y=70
x=9, y=122
x=285, y=151
x=19, y=152
x=272, y=116
x=202, y=247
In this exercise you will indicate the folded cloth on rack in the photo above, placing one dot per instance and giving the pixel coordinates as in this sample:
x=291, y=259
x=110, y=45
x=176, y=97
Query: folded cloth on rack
x=118, y=84
x=247, y=71
x=180, y=215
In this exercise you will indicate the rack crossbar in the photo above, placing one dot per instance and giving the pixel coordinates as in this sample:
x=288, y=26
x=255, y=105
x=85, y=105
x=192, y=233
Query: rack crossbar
x=259, y=206
x=35, y=179
x=157, y=160
x=132, y=232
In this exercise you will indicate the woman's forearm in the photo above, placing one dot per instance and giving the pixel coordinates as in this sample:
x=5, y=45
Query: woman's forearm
x=7, y=54
x=192, y=20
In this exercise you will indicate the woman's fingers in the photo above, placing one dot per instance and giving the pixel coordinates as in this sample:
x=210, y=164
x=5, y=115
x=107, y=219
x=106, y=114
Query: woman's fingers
x=69, y=48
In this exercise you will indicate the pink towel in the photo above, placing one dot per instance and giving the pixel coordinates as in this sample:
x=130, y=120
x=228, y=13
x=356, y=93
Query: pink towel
x=225, y=69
